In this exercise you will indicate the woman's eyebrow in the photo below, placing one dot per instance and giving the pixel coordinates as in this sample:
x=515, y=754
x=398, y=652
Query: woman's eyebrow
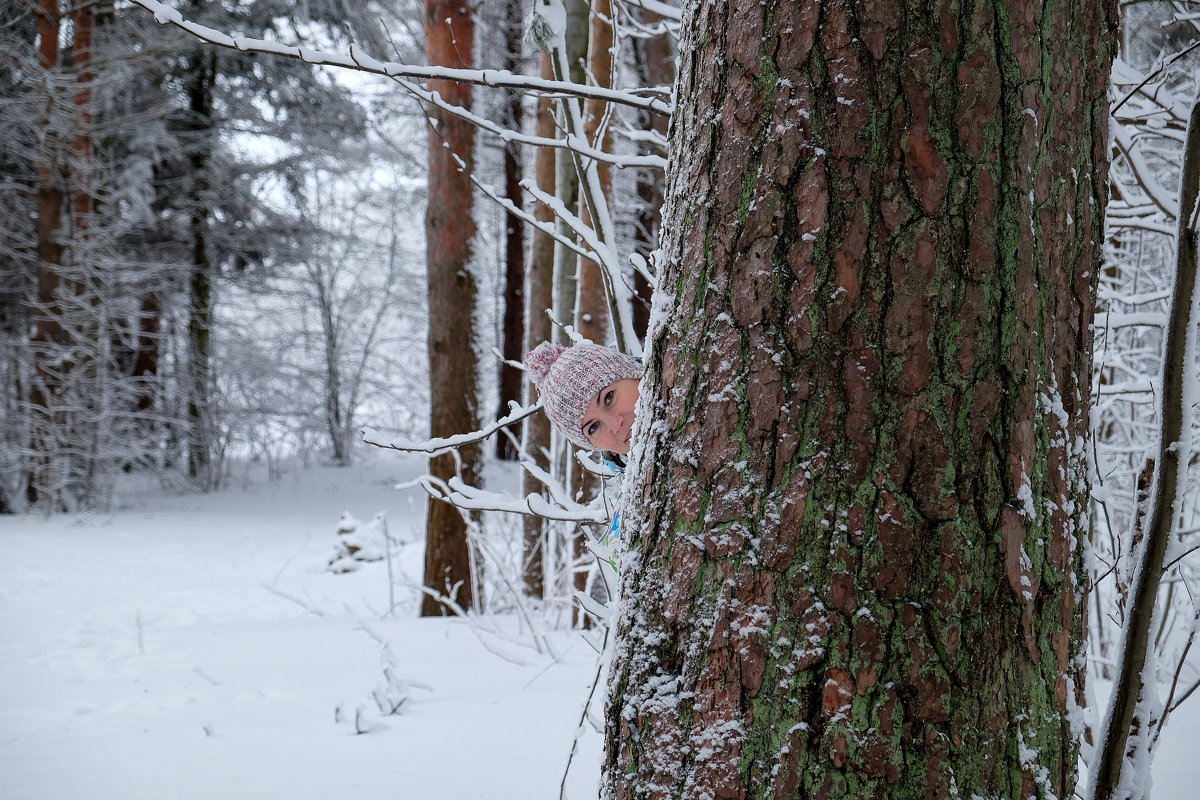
x=583, y=425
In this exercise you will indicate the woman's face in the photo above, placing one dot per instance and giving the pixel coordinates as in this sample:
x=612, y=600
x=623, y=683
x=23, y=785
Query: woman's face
x=608, y=419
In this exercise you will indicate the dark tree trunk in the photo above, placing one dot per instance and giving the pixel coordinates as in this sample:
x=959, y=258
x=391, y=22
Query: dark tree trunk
x=144, y=370
x=450, y=234
x=200, y=444
x=514, y=235
x=49, y=337
x=856, y=521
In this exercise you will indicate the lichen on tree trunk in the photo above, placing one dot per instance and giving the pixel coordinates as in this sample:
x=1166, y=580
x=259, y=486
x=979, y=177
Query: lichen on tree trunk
x=858, y=472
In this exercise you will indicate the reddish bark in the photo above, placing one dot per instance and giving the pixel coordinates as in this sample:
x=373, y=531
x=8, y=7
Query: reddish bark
x=656, y=67
x=450, y=235
x=859, y=498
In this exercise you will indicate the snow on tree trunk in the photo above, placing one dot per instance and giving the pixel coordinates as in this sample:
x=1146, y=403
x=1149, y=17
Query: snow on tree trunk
x=538, y=329
x=514, y=235
x=591, y=301
x=655, y=64
x=855, y=509
x=450, y=234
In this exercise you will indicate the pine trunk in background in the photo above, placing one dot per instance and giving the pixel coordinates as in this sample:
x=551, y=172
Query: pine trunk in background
x=90, y=388
x=201, y=124
x=566, y=271
x=514, y=235
x=450, y=236
x=538, y=329
x=591, y=300
x=855, y=522
x=591, y=304
x=566, y=267
x=655, y=65
x=48, y=337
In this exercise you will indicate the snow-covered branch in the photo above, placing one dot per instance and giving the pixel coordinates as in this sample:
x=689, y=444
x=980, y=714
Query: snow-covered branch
x=548, y=228
x=619, y=160
x=436, y=446
x=649, y=100
x=664, y=10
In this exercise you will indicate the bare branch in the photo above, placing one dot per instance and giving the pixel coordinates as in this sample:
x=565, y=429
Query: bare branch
x=441, y=445
x=165, y=15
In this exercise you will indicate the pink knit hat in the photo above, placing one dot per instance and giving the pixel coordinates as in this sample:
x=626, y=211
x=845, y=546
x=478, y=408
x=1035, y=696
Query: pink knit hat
x=569, y=377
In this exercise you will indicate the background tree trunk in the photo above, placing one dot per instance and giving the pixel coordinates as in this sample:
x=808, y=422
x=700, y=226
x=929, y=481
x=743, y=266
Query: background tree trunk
x=450, y=235
x=591, y=300
x=513, y=326
x=49, y=338
x=201, y=126
x=566, y=272
x=655, y=64
x=855, y=565
x=538, y=329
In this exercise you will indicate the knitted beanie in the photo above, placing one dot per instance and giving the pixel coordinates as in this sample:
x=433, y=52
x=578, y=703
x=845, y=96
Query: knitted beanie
x=568, y=378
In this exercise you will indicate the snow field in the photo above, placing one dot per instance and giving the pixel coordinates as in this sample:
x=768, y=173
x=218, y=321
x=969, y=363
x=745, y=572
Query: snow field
x=196, y=647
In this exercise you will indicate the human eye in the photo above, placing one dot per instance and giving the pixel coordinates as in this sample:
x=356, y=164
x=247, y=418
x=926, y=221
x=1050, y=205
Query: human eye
x=608, y=397
x=590, y=430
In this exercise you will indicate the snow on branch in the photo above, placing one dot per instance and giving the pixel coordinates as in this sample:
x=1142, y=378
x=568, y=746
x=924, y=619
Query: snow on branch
x=436, y=446
x=664, y=10
x=1144, y=174
x=470, y=498
x=649, y=100
x=506, y=135
x=547, y=228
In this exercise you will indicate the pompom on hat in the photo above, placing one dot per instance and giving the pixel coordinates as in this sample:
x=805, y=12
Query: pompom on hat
x=568, y=378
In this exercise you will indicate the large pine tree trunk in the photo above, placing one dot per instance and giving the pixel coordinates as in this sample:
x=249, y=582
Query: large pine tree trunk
x=855, y=521
x=450, y=234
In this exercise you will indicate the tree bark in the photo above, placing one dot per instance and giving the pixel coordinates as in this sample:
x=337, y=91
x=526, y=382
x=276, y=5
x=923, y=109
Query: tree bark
x=538, y=329
x=567, y=177
x=591, y=299
x=655, y=63
x=49, y=337
x=201, y=81
x=855, y=522
x=591, y=306
x=450, y=235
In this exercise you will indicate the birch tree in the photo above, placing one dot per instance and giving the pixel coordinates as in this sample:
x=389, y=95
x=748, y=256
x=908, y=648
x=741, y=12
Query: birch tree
x=856, y=496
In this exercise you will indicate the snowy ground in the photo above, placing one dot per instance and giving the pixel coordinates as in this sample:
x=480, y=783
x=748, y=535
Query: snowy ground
x=154, y=653
x=196, y=647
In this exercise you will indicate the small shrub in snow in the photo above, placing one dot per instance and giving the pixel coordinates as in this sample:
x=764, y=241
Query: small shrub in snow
x=358, y=542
